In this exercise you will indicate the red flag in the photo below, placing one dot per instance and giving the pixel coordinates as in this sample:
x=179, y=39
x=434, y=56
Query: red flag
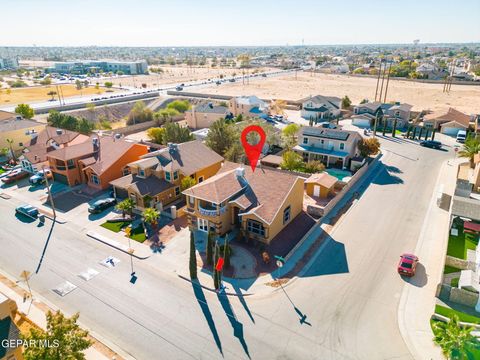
x=219, y=266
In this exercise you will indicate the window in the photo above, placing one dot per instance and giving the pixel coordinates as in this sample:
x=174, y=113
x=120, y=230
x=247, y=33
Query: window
x=322, y=142
x=305, y=140
x=342, y=146
x=70, y=164
x=141, y=172
x=175, y=175
x=94, y=179
x=167, y=176
x=286, y=215
x=126, y=171
x=255, y=227
x=177, y=191
x=200, y=179
x=191, y=201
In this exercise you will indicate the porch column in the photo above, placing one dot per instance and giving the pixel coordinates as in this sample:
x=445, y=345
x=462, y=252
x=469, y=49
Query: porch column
x=343, y=163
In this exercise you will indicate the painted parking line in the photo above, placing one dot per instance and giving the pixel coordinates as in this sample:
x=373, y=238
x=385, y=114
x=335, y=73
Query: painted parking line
x=110, y=262
x=88, y=274
x=64, y=288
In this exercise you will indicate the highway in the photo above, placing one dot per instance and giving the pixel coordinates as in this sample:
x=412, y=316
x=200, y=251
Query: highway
x=348, y=295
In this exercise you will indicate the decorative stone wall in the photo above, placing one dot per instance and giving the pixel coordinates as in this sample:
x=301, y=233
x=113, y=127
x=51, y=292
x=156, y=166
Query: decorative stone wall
x=464, y=297
x=459, y=263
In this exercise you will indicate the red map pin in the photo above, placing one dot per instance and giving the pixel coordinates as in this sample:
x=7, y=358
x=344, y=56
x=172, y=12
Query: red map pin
x=253, y=151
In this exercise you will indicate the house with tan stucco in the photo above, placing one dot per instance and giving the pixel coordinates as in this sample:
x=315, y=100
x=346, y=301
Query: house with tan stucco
x=204, y=115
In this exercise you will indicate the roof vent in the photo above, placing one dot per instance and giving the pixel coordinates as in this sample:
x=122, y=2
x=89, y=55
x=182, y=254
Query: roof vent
x=240, y=172
x=117, y=136
x=59, y=131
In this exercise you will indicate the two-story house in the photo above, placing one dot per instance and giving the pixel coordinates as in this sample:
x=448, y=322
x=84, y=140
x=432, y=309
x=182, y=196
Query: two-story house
x=155, y=179
x=15, y=130
x=449, y=122
x=393, y=113
x=238, y=198
x=205, y=114
x=96, y=162
x=247, y=106
x=333, y=147
x=41, y=143
x=321, y=108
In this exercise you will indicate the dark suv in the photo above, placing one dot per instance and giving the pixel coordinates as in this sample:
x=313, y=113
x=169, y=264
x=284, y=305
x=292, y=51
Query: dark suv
x=100, y=205
x=431, y=144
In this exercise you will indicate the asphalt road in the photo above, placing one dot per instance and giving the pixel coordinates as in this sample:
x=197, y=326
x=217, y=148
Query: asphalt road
x=347, y=296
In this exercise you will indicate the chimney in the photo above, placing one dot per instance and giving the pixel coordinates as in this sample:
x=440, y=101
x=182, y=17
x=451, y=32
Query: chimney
x=96, y=148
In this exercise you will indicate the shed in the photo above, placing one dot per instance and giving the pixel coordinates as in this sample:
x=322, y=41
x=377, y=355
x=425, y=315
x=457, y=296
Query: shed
x=320, y=185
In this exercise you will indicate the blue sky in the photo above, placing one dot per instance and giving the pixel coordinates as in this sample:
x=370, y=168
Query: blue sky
x=244, y=22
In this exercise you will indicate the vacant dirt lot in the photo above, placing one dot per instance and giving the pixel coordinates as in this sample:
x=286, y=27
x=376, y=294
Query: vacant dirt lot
x=422, y=96
x=39, y=93
x=173, y=75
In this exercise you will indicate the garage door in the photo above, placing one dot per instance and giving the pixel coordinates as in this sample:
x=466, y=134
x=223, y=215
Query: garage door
x=452, y=131
x=361, y=122
x=60, y=178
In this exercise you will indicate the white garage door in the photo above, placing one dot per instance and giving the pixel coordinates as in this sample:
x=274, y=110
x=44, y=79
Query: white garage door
x=452, y=131
x=361, y=122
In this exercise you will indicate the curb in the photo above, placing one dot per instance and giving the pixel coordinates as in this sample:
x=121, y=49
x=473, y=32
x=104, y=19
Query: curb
x=197, y=283
x=114, y=244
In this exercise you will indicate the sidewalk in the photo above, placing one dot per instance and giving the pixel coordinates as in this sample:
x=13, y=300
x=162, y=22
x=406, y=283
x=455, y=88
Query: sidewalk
x=36, y=312
x=417, y=302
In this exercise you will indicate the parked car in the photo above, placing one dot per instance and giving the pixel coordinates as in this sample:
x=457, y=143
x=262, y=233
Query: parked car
x=431, y=144
x=461, y=136
x=15, y=175
x=39, y=177
x=179, y=88
x=100, y=205
x=27, y=210
x=407, y=265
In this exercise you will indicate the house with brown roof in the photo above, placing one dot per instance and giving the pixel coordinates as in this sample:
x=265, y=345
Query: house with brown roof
x=449, y=123
x=95, y=162
x=155, y=179
x=41, y=143
x=238, y=198
x=15, y=130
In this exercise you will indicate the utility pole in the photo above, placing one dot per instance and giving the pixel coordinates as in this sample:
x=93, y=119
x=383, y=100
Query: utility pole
x=378, y=80
x=49, y=193
x=383, y=79
x=388, y=80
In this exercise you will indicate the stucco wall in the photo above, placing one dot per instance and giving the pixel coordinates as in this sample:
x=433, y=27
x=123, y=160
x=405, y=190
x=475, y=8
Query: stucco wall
x=459, y=263
x=18, y=136
x=464, y=297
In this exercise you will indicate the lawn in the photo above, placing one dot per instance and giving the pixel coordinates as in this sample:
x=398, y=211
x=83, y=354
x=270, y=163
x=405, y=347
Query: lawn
x=115, y=226
x=450, y=269
x=39, y=93
x=458, y=245
x=138, y=234
x=454, y=282
x=442, y=310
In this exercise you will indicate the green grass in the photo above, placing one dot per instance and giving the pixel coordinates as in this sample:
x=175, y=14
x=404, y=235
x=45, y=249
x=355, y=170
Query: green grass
x=458, y=245
x=1, y=171
x=454, y=282
x=450, y=269
x=442, y=310
x=138, y=234
x=115, y=226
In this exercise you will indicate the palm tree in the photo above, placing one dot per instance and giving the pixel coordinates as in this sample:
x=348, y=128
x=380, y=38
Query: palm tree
x=470, y=148
x=278, y=106
x=456, y=341
x=10, y=146
x=150, y=216
x=126, y=207
x=52, y=94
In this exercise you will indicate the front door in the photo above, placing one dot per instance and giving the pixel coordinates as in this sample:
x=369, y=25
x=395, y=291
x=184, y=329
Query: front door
x=202, y=225
x=316, y=190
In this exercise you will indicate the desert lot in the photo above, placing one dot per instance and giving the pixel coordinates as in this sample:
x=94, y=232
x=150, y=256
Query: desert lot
x=422, y=96
x=39, y=93
x=174, y=75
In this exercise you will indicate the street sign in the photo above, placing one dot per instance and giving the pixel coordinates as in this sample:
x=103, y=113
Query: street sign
x=280, y=261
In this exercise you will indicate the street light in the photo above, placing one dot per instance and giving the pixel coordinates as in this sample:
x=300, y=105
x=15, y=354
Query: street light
x=49, y=193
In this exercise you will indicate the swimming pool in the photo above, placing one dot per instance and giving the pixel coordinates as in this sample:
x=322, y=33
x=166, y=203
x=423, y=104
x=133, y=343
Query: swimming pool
x=339, y=173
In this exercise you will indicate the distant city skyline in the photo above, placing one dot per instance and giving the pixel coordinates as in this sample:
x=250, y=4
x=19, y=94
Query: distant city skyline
x=247, y=23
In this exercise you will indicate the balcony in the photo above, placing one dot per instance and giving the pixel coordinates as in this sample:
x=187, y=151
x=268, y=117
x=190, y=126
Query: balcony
x=211, y=211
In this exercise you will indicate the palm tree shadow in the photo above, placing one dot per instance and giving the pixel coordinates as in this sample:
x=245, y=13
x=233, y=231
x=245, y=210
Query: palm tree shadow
x=236, y=325
x=202, y=301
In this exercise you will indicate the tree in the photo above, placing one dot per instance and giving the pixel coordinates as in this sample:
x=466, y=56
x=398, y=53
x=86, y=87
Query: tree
x=90, y=107
x=369, y=146
x=470, y=148
x=278, y=106
x=126, y=206
x=235, y=153
x=156, y=135
x=78, y=84
x=456, y=341
x=314, y=166
x=52, y=94
x=140, y=113
x=193, y=257
x=289, y=133
x=108, y=84
x=165, y=115
x=346, y=102
x=46, y=81
x=187, y=182
x=209, y=250
x=69, y=339
x=221, y=136
x=177, y=134
x=25, y=110
x=180, y=105
x=291, y=161
x=150, y=216
x=85, y=126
